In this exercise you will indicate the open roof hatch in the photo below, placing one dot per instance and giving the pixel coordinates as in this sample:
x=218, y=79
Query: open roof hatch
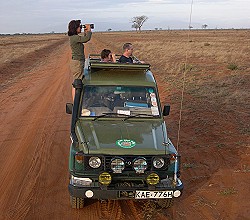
x=94, y=62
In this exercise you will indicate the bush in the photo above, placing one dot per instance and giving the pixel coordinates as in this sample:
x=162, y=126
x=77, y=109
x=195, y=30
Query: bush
x=232, y=66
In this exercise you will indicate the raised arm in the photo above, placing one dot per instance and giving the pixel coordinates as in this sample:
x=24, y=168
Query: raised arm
x=87, y=34
x=84, y=38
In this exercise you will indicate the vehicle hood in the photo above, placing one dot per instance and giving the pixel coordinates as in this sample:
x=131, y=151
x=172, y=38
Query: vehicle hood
x=125, y=137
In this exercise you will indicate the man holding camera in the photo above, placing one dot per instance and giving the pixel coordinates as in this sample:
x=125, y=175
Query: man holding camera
x=77, y=47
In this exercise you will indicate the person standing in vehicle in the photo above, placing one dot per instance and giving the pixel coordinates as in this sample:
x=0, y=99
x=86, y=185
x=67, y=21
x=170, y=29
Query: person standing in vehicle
x=77, y=48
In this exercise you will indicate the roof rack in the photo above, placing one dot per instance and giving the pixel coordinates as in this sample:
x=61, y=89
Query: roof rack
x=94, y=62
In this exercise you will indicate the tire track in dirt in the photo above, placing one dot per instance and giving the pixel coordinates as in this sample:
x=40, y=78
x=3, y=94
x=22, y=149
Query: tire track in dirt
x=27, y=62
x=131, y=208
x=27, y=42
x=109, y=210
x=40, y=155
x=33, y=122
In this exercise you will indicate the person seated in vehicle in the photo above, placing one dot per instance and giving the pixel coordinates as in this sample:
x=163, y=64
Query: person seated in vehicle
x=127, y=56
x=107, y=56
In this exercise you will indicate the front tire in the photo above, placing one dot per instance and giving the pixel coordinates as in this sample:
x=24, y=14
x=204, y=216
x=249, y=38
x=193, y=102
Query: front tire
x=76, y=203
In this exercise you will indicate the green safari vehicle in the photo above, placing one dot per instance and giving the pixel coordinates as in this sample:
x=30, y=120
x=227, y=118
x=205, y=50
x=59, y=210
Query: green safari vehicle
x=120, y=147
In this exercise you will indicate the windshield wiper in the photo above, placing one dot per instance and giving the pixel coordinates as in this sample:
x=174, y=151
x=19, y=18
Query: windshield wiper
x=136, y=115
x=106, y=114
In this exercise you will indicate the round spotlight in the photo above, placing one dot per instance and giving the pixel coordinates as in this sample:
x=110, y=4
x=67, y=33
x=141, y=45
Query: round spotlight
x=158, y=162
x=95, y=162
x=140, y=165
x=105, y=178
x=117, y=165
x=152, y=179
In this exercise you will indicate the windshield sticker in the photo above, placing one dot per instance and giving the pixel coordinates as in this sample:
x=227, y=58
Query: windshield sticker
x=85, y=112
x=154, y=104
x=153, y=99
x=152, y=95
x=150, y=90
x=124, y=112
x=155, y=110
x=125, y=143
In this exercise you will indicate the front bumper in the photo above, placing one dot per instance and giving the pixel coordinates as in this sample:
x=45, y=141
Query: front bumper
x=104, y=193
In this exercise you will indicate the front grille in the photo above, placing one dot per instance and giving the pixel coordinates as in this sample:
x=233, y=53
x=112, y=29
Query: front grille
x=106, y=162
x=129, y=162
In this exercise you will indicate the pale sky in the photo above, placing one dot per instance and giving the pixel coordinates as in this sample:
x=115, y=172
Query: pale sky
x=39, y=16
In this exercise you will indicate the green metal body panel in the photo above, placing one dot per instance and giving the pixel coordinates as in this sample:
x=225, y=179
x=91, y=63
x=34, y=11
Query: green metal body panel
x=102, y=135
x=120, y=77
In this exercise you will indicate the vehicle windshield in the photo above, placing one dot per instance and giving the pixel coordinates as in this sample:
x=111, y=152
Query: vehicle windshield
x=121, y=100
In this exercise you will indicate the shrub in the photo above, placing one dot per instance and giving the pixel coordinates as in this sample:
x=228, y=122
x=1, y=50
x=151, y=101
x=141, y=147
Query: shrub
x=232, y=66
x=187, y=67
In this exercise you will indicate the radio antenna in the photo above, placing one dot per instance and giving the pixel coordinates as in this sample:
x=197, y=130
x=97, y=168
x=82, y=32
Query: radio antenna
x=184, y=76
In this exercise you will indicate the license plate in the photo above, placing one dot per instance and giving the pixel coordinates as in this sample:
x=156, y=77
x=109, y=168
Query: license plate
x=153, y=194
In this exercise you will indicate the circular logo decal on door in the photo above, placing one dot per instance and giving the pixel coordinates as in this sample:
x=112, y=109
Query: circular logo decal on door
x=125, y=143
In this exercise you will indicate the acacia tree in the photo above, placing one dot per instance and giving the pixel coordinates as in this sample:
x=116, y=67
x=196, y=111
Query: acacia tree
x=135, y=26
x=204, y=26
x=138, y=21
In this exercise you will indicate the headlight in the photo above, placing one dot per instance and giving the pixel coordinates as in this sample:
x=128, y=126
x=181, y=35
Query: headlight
x=140, y=165
x=158, y=162
x=105, y=178
x=153, y=179
x=79, y=181
x=117, y=165
x=95, y=162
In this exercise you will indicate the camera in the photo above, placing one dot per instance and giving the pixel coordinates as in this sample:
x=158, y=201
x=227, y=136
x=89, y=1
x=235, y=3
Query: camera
x=84, y=26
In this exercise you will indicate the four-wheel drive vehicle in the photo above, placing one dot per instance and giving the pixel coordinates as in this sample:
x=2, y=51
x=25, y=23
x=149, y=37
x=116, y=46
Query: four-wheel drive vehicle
x=120, y=147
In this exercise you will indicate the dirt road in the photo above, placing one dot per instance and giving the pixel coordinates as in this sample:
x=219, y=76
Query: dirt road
x=34, y=146
x=34, y=140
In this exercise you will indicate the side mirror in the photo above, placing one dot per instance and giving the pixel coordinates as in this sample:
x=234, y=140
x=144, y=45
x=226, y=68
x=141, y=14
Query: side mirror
x=77, y=84
x=69, y=108
x=166, y=110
